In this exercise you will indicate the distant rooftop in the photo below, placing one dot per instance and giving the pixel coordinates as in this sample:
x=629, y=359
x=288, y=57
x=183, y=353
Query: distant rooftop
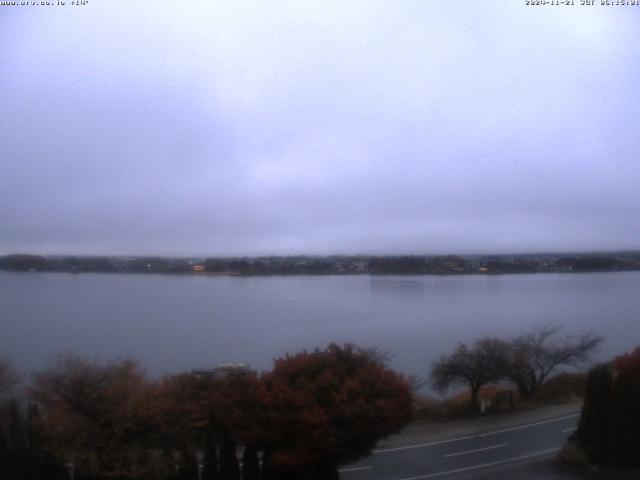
x=221, y=370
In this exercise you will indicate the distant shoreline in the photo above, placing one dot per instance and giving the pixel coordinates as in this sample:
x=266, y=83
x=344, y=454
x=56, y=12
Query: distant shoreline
x=330, y=265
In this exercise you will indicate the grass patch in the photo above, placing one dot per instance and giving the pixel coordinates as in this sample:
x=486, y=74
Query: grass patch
x=560, y=389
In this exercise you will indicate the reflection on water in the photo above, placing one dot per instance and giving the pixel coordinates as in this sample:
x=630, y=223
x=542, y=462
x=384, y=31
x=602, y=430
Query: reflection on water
x=173, y=323
x=405, y=286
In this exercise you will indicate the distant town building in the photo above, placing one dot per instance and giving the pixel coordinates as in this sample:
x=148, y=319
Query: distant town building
x=222, y=370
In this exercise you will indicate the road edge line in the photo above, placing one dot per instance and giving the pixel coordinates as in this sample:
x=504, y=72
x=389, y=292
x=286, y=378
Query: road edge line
x=476, y=435
x=467, y=452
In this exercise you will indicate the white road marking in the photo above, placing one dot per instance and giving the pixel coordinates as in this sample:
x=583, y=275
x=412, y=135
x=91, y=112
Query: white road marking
x=492, y=447
x=569, y=429
x=354, y=469
x=529, y=425
x=480, y=435
x=484, y=465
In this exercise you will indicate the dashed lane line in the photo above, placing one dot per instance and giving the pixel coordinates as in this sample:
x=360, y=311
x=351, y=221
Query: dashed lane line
x=483, y=465
x=492, y=447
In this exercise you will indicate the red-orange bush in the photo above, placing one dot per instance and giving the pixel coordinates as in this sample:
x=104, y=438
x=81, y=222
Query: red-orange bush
x=628, y=366
x=328, y=407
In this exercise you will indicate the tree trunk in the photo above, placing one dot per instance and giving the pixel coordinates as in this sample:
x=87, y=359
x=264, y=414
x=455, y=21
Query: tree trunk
x=523, y=391
x=210, y=459
x=475, y=403
x=229, y=468
x=268, y=472
x=5, y=457
x=189, y=467
x=250, y=464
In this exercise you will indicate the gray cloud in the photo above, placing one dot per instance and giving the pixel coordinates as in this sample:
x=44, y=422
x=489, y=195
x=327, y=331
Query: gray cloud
x=288, y=127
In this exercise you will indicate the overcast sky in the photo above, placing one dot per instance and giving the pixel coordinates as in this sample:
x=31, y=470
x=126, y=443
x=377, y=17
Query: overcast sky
x=251, y=128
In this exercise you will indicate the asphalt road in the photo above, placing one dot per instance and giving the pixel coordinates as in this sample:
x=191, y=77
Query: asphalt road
x=485, y=455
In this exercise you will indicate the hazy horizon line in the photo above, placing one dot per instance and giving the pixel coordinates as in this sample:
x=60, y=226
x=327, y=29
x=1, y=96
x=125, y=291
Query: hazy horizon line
x=329, y=255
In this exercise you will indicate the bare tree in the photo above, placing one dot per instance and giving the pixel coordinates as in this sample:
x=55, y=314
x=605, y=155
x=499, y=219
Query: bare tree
x=99, y=415
x=417, y=383
x=538, y=353
x=482, y=363
x=8, y=376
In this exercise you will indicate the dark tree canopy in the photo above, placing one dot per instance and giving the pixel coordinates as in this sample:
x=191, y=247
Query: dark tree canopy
x=314, y=411
x=8, y=376
x=96, y=414
x=628, y=365
x=609, y=427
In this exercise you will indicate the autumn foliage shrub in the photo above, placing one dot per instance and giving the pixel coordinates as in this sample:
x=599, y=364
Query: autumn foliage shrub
x=329, y=407
x=564, y=387
x=312, y=412
x=628, y=366
x=98, y=415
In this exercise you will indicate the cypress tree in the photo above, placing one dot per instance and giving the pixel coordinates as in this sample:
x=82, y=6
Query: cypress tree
x=619, y=413
x=35, y=454
x=633, y=426
x=34, y=437
x=250, y=464
x=593, y=428
x=168, y=464
x=17, y=440
x=229, y=468
x=189, y=467
x=609, y=428
x=5, y=457
x=624, y=434
x=42, y=462
x=268, y=472
x=210, y=459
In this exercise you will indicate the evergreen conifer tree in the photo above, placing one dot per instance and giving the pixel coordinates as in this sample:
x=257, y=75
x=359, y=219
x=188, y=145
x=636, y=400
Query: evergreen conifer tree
x=189, y=467
x=17, y=442
x=250, y=464
x=210, y=459
x=34, y=437
x=5, y=457
x=594, y=425
x=229, y=468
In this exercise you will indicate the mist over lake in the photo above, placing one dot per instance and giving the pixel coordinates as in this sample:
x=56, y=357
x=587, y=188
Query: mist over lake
x=175, y=323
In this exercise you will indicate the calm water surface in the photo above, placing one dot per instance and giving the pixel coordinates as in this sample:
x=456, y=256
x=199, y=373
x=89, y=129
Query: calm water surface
x=174, y=323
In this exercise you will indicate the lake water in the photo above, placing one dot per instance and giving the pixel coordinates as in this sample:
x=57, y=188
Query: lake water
x=175, y=323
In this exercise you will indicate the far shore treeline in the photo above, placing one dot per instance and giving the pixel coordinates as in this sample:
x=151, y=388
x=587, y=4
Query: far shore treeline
x=330, y=265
